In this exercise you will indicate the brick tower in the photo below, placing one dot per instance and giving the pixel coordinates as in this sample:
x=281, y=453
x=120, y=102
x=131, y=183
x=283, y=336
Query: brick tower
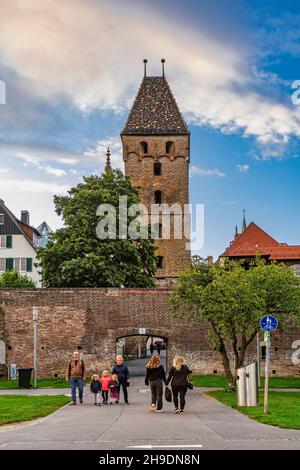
x=156, y=148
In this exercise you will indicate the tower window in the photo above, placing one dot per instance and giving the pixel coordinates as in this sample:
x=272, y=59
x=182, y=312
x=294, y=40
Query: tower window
x=160, y=262
x=157, y=169
x=157, y=197
x=143, y=147
x=169, y=146
x=157, y=231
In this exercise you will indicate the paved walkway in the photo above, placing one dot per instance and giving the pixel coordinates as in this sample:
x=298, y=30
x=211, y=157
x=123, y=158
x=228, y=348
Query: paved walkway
x=205, y=423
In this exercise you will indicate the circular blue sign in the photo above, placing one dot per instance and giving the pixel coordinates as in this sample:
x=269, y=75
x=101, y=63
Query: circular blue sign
x=268, y=323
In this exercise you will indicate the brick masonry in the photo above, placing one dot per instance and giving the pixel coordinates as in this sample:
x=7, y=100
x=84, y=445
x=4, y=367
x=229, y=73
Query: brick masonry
x=93, y=319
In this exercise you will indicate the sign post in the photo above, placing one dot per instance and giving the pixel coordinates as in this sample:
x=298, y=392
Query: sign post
x=268, y=323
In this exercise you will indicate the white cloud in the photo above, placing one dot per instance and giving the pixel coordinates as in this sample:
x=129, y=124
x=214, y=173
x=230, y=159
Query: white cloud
x=33, y=186
x=196, y=170
x=99, y=151
x=243, y=168
x=98, y=65
x=4, y=170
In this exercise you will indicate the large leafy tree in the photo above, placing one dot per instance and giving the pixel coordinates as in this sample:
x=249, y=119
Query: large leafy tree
x=76, y=257
x=231, y=300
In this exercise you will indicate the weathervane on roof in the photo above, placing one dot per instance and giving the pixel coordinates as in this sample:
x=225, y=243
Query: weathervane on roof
x=163, y=66
x=145, y=67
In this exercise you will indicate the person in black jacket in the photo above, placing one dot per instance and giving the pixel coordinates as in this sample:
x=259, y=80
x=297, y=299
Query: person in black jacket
x=95, y=388
x=155, y=375
x=121, y=370
x=178, y=376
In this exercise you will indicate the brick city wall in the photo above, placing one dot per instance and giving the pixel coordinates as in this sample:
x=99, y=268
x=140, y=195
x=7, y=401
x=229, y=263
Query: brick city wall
x=93, y=319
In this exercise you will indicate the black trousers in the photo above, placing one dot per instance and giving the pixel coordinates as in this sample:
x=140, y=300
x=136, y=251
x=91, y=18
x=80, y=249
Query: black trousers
x=181, y=391
x=105, y=395
x=156, y=387
x=124, y=388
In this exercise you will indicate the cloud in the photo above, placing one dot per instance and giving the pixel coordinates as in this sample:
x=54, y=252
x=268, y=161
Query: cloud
x=243, y=168
x=99, y=151
x=4, y=170
x=98, y=66
x=33, y=186
x=196, y=170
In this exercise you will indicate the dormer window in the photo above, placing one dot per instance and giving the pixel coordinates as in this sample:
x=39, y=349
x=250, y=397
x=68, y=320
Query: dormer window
x=169, y=147
x=143, y=147
x=1, y=219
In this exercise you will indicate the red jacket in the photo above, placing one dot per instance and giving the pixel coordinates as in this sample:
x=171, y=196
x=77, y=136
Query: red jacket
x=105, y=381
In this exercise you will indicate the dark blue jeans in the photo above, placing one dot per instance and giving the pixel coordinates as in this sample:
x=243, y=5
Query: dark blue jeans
x=76, y=381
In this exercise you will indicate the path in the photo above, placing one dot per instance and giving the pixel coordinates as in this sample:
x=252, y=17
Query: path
x=206, y=423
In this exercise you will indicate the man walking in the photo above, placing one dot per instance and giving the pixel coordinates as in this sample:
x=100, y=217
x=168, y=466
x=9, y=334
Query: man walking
x=121, y=370
x=75, y=374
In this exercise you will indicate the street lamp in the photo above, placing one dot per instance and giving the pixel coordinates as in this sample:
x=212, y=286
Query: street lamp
x=35, y=317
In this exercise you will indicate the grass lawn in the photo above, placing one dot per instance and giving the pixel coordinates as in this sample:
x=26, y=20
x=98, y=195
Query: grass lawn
x=219, y=381
x=16, y=408
x=41, y=383
x=284, y=408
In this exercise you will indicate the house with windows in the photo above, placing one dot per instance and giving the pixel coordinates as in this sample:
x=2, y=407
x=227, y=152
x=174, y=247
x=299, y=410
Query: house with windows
x=19, y=242
x=253, y=241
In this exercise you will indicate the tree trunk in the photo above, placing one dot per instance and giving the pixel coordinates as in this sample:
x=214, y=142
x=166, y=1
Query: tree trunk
x=229, y=376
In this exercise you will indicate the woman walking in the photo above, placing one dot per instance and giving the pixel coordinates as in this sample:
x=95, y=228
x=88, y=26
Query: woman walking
x=178, y=376
x=155, y=375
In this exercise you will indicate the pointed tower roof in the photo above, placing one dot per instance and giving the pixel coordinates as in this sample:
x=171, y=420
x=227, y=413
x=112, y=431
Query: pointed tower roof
x=107, y=163
x=155, y=111
x=244, y=221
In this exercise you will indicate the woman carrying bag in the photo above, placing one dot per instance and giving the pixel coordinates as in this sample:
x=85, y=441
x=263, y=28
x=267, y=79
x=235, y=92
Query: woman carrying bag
x=155, y=376
x=179, y=378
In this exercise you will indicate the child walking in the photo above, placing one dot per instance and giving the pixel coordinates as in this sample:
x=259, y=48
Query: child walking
x=105, y=381
x=114, y=389
x=95, y=388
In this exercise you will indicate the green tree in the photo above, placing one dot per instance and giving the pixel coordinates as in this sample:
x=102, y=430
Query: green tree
x=14, y=279
x=231, y=300
x=76, y=257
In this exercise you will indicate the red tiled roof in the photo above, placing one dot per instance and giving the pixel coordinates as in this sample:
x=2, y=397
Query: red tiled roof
x=254, y=241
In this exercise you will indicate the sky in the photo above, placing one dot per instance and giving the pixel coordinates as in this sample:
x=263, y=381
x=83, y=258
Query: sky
x=71, y=69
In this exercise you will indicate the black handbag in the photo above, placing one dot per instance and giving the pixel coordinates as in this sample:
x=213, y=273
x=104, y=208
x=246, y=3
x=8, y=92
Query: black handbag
x=190, y=385
x=168, y=394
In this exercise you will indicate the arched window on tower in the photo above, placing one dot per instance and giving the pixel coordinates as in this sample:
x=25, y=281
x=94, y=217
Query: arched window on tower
x=160, y=262
x=157, y=169
x=169, y=147
x=157, y=197
x=143, y=147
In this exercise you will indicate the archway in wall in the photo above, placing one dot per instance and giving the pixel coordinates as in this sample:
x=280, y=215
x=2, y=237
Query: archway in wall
x=137, y=350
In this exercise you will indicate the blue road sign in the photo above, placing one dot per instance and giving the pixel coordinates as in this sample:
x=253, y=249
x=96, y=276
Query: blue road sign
x=268, y=323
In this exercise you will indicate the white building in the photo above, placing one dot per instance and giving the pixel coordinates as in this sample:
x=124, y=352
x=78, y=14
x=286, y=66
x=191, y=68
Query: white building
x=18, y=244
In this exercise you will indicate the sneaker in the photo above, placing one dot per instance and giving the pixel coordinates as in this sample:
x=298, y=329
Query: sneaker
x=180, y=412
x=127, y=402
x=110, y=403
x=159, y=411
x=81, y=402
x=152, y=407
x=73, y=403
x=95, y=404
x=99, y=404
x=117, y=401
x=177, y=411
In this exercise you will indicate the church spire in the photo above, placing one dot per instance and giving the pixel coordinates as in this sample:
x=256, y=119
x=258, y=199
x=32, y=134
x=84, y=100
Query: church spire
x=244, y=221
x=107, y=164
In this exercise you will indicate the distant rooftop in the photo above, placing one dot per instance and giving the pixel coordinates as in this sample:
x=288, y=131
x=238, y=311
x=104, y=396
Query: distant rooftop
x=155, y=111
